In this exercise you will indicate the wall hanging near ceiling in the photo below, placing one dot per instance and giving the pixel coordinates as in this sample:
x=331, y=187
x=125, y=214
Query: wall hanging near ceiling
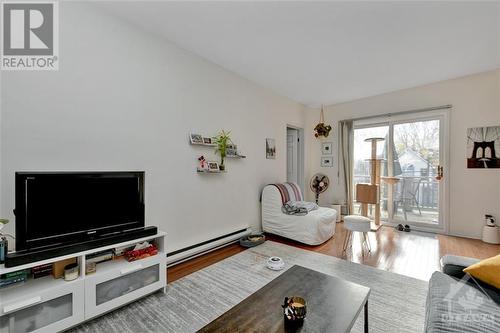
x=483, y=147
x=322, y=129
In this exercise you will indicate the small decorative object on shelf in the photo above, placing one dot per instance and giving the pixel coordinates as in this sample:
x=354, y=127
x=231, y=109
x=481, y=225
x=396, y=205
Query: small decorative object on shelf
x=59, y=266
x=141, y=251
x=321, y=129
x=90, y=267
x=294, y=309
x=71, y=272
x=202, y=165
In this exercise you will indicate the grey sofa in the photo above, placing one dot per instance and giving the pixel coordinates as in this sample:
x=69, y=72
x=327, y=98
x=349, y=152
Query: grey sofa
x=458, y=303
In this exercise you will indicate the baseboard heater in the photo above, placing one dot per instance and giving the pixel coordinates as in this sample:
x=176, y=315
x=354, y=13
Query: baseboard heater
x=196, y=250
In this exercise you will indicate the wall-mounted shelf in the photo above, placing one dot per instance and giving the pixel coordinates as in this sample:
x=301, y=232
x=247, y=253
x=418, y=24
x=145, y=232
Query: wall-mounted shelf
x=211, y=146
x=202, y=144
x=209, y=172
x=206, y=141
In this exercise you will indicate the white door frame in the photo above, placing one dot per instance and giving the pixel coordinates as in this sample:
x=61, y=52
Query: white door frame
x=300, y=155
x=443, y=115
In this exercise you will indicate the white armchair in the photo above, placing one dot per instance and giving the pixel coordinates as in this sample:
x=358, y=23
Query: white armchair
x=313, y=229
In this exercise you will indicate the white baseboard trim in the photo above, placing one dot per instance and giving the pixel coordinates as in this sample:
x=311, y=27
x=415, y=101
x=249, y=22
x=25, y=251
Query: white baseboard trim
x=457, y=234
x=195, y=251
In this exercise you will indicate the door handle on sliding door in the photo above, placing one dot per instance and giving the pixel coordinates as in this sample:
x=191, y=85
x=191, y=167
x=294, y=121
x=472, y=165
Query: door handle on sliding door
x=440, y=173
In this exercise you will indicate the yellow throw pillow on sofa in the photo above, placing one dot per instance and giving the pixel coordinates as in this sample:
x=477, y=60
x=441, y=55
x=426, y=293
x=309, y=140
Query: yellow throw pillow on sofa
x=487, y=270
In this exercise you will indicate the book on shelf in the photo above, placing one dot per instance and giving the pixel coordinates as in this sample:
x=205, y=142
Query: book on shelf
x=7, y=281
x=42, y=267
x=41, y=271
x=120, y=251
x=100, y=256
x=14, y=274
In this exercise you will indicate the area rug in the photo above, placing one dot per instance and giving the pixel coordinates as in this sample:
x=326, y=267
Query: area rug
x=397, y=302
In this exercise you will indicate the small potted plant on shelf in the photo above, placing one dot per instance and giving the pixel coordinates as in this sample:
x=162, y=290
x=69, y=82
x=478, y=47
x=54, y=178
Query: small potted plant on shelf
x=222, y=140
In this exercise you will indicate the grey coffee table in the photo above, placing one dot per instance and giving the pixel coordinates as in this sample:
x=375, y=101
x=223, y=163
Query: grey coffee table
x=333, y=305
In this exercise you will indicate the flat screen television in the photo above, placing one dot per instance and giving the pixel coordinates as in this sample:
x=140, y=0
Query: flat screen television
x=56, y=208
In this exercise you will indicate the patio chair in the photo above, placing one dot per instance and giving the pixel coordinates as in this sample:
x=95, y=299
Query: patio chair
x=408, y=194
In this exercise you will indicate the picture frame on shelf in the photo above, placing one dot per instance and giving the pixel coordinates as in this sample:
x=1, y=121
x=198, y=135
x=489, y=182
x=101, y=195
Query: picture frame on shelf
x=209, y=141
x=326, y=148
x=195, y=139
x=231, y=150
x=327, y=161
x=213, y=166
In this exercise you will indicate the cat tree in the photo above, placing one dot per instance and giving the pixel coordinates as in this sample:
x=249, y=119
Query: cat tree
x=369, y=194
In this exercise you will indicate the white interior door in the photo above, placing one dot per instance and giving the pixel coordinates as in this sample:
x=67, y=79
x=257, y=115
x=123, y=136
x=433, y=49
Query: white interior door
x=292, y=137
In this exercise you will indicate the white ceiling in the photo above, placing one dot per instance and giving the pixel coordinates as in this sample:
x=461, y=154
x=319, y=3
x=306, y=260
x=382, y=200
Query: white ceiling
x=330, y=52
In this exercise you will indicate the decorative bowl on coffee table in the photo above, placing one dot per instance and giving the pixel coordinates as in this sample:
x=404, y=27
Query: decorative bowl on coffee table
x=294, y=309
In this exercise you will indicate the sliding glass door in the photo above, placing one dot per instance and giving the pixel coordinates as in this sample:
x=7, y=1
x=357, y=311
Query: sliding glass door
x=411, y=156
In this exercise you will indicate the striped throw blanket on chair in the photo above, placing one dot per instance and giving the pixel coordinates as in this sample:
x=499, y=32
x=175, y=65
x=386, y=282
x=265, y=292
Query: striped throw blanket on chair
x=289, y=192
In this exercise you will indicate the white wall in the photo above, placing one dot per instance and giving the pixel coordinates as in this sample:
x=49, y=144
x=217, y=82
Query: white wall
x=126, y=100
x=476, y=102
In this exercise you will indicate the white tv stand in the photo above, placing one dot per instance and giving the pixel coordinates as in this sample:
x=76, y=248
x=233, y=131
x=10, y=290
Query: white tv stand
x=52, y=305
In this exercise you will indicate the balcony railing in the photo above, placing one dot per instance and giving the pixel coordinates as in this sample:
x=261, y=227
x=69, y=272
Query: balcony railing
x=425, y=189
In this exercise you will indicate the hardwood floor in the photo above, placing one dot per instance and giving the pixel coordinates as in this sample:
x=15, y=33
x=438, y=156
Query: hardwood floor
x=193, y=265
x=414, y=254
